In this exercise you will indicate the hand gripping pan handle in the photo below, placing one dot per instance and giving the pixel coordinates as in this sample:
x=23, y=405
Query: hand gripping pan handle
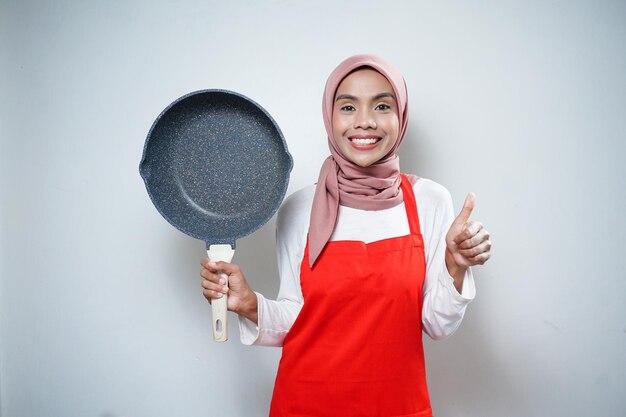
x=219, y=306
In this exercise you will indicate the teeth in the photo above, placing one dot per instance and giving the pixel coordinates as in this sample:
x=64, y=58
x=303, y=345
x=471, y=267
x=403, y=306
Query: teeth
x=367, y=141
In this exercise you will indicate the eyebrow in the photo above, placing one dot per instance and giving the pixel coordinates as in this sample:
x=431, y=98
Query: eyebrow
x=376, y=97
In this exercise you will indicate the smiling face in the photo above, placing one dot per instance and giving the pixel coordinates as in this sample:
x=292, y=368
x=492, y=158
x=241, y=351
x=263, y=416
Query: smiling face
x=365, y=117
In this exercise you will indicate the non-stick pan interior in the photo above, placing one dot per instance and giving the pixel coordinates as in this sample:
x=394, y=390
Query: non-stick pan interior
x=216, y=165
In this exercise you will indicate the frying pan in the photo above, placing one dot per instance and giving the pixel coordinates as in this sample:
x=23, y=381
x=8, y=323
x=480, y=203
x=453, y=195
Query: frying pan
x=216, y=166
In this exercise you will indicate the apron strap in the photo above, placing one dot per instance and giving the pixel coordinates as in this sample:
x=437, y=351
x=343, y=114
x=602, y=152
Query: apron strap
x=410, y=205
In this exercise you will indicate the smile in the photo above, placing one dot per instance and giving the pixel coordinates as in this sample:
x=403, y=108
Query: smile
x=367, y=141
x=364, y=142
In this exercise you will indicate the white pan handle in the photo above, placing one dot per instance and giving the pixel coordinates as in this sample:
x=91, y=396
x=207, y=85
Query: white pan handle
x=223, y=253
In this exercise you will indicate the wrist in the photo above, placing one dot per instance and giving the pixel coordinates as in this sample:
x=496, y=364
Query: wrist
x=249, y=307
x=456, y=271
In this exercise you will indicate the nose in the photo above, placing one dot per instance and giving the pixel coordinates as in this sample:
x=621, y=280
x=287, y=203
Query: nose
x=365, y=120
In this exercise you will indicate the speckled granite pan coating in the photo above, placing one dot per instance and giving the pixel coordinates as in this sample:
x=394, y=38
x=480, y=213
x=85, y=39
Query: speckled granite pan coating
x=216, y=165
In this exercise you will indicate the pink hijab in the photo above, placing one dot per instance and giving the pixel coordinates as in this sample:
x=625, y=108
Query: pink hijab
x=375, y=187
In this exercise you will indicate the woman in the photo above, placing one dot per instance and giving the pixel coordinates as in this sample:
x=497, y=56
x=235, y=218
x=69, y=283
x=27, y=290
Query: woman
x=383, y=260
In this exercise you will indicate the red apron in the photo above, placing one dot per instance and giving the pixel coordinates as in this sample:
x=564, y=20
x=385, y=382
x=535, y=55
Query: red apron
x=355, y=349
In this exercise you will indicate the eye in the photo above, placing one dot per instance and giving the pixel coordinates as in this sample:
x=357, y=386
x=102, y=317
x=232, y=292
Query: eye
x=347, y=107
x=383, y=107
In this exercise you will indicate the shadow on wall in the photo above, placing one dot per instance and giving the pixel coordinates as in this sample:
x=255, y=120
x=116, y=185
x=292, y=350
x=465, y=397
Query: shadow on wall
x=416, y=153
x=256, y=255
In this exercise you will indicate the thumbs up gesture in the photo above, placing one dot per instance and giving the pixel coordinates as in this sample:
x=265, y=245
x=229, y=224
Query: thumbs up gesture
x=467, y=241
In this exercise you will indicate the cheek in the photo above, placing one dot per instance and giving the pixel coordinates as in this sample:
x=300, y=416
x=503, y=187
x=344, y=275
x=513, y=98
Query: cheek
x=339, y=125
x=395, y=120
x=393, y=130
x=392, y=126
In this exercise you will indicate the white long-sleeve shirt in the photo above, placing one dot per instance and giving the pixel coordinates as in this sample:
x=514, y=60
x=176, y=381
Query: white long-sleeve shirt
x=443, y=307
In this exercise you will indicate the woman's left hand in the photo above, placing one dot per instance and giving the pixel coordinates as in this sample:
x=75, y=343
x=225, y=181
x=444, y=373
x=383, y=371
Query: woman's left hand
x=467, y=241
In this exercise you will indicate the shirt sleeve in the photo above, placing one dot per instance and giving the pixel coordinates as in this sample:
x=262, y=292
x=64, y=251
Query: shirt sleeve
x=443, y=307
x=276, y=317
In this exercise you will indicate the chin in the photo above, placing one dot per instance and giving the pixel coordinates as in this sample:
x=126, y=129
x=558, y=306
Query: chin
x=362, y=164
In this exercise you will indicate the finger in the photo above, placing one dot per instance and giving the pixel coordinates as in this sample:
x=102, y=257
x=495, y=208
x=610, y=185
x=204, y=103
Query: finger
x=480, y=259
x=212, y=276
x=483, y=247
x=466, y=211
x=212, y=286
x=471, y=229
x=221, y=266
x=474, y=239
x=211, y=295
x=207, y=263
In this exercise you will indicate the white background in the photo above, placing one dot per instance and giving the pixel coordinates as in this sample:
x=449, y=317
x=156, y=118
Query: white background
x=524, y=103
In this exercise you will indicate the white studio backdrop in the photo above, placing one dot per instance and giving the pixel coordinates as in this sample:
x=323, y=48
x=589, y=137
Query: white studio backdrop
x=522, y=102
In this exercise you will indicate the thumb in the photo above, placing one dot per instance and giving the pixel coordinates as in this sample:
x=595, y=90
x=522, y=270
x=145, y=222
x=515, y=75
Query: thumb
x=466, y=211
x=221, y=266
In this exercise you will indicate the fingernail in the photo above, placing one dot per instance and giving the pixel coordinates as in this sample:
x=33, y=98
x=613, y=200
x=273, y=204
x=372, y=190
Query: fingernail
x=219, y=295
x=222, y=281
x=211, y=263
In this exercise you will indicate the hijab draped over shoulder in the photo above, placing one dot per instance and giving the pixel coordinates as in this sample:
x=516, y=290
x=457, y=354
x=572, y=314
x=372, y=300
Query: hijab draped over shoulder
x=375, y=187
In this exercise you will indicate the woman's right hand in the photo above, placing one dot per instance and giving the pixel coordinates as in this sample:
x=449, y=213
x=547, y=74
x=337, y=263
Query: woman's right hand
x=241, y=299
